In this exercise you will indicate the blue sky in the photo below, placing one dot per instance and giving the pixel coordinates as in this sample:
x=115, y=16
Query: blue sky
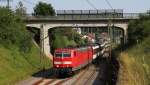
x=127, y=5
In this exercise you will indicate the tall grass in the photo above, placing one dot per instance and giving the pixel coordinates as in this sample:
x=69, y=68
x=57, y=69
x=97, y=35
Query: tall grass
x=135, y=65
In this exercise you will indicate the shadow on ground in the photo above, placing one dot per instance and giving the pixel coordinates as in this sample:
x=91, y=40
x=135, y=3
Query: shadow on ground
x=50, y=73
x=46, y=73
x=108, y=71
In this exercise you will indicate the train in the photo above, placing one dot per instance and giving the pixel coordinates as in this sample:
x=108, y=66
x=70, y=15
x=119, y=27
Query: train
x=105, y=43
x=68, y=60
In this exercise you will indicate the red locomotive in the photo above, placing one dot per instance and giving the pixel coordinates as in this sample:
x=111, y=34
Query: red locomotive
x=67, y=60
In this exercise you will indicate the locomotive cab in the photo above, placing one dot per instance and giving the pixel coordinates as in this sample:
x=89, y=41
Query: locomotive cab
x=62, y=60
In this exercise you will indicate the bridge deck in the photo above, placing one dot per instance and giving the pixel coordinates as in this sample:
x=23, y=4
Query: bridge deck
x=124, y=16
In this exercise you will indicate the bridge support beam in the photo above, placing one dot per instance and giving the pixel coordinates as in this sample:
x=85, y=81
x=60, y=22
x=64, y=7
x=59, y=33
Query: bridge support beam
x=44, y=40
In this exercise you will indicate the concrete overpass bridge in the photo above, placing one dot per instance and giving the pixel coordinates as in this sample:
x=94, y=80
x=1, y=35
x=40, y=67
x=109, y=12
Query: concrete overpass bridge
x=44, y=23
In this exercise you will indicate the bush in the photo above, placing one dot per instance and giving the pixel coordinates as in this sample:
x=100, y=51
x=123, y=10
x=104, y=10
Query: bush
x=12, y=30
x=72, y=43
x=65, y=37
x=139, y=29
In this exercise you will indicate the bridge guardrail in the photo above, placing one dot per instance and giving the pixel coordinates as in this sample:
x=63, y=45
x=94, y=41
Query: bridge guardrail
x=90, y=17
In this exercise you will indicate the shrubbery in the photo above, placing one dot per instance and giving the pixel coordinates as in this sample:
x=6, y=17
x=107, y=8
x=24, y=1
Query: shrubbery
x=65, y=37
x=139, y=29
x=12, y=31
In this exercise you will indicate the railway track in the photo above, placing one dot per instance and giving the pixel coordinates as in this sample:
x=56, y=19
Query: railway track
x=87, y=77
x=55, y=80
x=79, y=77
x=51, y=81
x=88, y=73
x=91, y=77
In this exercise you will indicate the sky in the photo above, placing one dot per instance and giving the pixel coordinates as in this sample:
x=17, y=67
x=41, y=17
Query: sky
x=129, y=6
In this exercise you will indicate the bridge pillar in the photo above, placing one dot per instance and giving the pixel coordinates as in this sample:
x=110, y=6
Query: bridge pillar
x=125, y=35
x=124, y=27
x=44, y=39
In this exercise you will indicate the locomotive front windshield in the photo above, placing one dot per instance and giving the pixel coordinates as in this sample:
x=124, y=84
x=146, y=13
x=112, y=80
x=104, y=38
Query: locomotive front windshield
x=63, y=54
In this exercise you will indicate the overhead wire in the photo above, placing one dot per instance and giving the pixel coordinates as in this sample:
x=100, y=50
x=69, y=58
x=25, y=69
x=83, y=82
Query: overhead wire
x=109, y=4
x=110, y=28
x=27, y=1
x=91, y=4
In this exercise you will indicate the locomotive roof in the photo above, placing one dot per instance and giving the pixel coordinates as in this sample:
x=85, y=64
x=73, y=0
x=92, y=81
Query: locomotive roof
x=72, y=48
x=79, y=48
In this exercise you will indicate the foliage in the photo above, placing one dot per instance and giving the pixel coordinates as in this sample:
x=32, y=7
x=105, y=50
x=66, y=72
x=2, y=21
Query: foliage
x=78, y=40
x=65, y=37
x=43, y=9
x=139, y=29
x=12, y=31
x=72, y=43
x=20, y=10
x=59, y=41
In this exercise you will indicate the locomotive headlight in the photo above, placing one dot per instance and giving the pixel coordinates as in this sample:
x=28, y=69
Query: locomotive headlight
x=57, y=62
x=64, y=62
x=57, y=66
x=67, y=62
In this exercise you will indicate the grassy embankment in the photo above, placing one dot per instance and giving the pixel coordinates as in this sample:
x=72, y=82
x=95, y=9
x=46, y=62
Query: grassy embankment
x=19, y=58
x=15, y=66
x=135, y=65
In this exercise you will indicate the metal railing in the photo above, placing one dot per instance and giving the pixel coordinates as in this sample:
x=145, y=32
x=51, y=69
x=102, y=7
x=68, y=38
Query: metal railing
x=86, y=17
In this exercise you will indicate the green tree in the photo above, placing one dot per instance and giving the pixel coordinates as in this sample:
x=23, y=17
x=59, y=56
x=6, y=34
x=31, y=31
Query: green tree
x=44, y=9
x=20, y=9
x=72, y=43
x=64, y=37
x=139, y=29
x=13, y=31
